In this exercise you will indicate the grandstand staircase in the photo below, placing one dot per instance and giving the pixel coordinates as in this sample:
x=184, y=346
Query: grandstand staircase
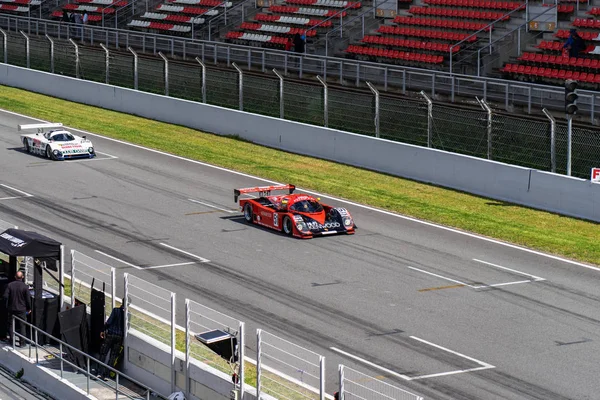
x=100, y=391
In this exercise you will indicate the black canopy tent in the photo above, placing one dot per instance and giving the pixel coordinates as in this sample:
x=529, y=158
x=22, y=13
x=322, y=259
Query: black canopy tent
x=47, y=254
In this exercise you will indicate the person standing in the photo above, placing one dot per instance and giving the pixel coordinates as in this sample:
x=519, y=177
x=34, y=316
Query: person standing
x=18, y=304
x=114, y=330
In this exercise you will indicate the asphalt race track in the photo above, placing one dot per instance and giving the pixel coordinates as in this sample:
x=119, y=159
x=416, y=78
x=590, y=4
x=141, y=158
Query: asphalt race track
x=448, y=315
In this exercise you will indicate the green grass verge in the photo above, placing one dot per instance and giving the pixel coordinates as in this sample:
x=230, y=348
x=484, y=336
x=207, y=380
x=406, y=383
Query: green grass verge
x=564, y=236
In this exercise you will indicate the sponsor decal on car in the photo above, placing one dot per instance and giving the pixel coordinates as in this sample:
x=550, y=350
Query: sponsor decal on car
x=312, y=225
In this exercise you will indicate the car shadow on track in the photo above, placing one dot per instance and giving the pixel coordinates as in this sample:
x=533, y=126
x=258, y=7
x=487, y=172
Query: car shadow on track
x=239, y=219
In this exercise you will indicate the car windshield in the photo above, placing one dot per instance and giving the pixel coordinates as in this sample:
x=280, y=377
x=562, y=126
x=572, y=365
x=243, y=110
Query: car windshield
x=307, y=206
x=62, y=137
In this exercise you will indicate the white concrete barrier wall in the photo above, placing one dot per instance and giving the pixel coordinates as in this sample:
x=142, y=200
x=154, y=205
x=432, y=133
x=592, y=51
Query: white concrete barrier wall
x=536, y=189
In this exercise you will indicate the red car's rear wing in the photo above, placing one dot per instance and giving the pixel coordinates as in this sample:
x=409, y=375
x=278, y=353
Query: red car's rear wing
x=262, y=190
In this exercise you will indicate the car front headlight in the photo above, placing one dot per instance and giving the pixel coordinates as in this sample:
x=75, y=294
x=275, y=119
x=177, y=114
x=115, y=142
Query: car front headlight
x=91, y=150
x=347, y=221
x=56, y=153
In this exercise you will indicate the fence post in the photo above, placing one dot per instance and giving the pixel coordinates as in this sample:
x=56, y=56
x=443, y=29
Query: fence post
x=26, y=47
x=72, y=278
x=76, y=58
x=51, y=53
x=113, y=284
x=166, y=72
x=187, y=348
x=325, y=102
x=107, y=67
x=552, y=140
x=281, y=108
x=241, y=346
x=258, y=363
x=341, y=392
x=5, y=46
x=241, y=86
x=135, y=67
x=126, y=319
x=487, y=108
x=429, y=117
x=61, y=278
x=376, y=93
x=173, y=338
x=569, y=142
x=322, y=378
x=203, y=79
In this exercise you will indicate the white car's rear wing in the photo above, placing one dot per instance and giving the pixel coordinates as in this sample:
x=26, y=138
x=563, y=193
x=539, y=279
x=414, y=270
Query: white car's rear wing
x=40, y=127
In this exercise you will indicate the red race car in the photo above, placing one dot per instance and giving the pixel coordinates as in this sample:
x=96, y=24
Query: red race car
x=297, y=215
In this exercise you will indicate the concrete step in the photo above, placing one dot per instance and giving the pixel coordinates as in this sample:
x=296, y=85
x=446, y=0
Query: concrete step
x=12, y=388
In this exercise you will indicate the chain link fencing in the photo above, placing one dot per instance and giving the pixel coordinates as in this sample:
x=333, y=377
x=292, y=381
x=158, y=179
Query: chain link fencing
x=513, y=139
x=355, y=385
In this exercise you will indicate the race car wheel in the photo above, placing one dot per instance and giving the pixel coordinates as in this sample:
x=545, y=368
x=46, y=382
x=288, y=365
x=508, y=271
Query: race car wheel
x=248, y=212
x=288, y=226
x=49, y=153
x=26, y=144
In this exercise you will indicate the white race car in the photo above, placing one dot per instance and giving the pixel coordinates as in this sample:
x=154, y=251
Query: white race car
x=56, y=144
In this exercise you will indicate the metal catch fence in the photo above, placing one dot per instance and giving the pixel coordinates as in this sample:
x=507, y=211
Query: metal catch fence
x=477, y=131
x=88, y=273
x=206, y=329
x=355, y=385
x=275, y=356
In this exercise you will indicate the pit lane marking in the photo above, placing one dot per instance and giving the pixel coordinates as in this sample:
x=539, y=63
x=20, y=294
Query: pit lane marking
x=171, y=265
x=202, y=259
x=24, y=194
x=482, y=365
x=210, y=205
x=118, y=259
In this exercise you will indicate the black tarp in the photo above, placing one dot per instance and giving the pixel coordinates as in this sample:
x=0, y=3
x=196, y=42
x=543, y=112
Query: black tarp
x=74, y=331
x=97, y=318
x=45, y=252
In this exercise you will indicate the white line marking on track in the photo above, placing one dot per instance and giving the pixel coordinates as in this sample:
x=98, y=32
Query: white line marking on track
x=537, y=278
x=16, y=190
x=13, y=197
x=362, y=360
x=442, y=277
x=502, y=284
x=210, y=205
x=431, y=224
x=202, y=259
x=483, y=364
x=170, y=265
x=118, y=259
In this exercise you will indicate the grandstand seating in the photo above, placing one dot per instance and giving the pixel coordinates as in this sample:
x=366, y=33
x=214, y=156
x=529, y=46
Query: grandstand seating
x=18, y=6
x=178, y=16
x=433, y=30
x=276, y=26
x=551, y=64
x=96, y=9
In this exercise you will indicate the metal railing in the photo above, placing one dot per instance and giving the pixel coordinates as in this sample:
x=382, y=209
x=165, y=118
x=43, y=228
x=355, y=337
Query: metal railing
x=345, y=23
x=35, y=332
x=509, y=45
x=488, y=27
